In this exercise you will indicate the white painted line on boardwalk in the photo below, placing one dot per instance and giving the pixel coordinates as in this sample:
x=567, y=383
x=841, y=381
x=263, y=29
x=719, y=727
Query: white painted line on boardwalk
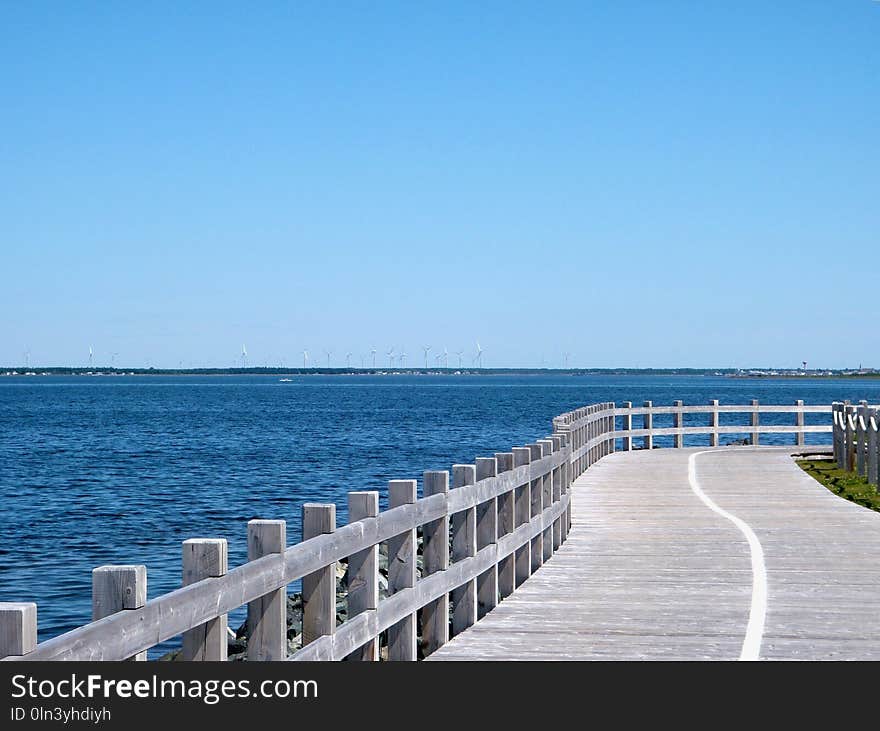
x=751, y=647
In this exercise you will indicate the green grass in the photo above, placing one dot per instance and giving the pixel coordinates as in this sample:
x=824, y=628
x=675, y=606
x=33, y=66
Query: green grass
x=848, y=485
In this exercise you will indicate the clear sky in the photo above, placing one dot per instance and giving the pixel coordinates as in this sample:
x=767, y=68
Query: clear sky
x=635, y=183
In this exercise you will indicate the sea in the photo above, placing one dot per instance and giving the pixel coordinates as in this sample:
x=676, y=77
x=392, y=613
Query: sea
x=121, y=469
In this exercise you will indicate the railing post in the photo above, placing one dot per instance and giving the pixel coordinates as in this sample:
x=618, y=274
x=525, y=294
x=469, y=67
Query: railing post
x=612, y=426
x=861, y=438
x=267, y=615
x=839, y=433
x=647, y=423
x=537, y=507
x=850, y=437
x=205, y=558
x=506, y=524
x=363, y=571
x=678, y=439
x=435, y=549
x=402, y=573
x=755, y=422
x=547, y=496
x=873, y=456
x=713, y=423
x=119, y=588
x=18, y=628
x=556, y=494
x=487, y=535
x=464, y=545
x=522, y=514
x=627, y=426
x=800, y=437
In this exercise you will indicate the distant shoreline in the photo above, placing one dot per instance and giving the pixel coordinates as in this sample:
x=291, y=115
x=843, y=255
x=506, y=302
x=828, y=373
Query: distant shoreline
x=291, y=372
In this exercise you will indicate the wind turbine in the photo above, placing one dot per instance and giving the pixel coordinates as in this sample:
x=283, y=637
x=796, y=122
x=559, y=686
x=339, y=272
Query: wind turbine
x=459, y=353
x=348, y=360
x=305, y=359
x=403, y=359
x=328, y=353
x=243, y=356
x=91, y=354
x=390, y=355
x=426, y=348
x=373, y=353
x=445, y=358
x=479, y=357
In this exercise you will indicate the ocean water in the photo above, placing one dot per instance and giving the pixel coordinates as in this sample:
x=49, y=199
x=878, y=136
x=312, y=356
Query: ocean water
x=97, y=470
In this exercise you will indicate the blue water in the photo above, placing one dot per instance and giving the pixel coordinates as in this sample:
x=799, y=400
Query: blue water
x=122, y=469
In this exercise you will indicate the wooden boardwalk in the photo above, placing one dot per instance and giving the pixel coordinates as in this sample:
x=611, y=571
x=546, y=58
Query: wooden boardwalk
x=649, y=571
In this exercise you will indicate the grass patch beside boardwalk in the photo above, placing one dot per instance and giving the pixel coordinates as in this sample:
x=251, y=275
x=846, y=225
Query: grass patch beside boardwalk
x=848, y=485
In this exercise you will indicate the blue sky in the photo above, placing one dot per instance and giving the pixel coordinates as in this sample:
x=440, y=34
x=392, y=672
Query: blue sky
x=635, y=183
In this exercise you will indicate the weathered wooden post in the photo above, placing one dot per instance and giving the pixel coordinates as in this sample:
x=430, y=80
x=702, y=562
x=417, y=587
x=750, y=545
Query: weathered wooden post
x=556, y=493
x=755, y=422
x=435, y=548
x=547, y=496
x=506, y=524
x=800, y=437
x=363, y=571
x=850, y=437
x=402, y=573
x=839, y=414
x=487, y=535
x=267, y=615
x=205, y=558
x=464, y=545
x=117, y=589
x=647, y=422
x=612, y=427
x=713, y=423
x=861, y=438
x=522, y=514
x=537, y=507
x=18, y=628
x=678, y=439
x=873, y=446
x=627, y=426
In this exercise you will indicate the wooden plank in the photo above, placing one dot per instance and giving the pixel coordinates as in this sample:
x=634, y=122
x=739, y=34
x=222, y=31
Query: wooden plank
x=435, y=538
x=205, y=558
x=119, y=588
x=862, y=439
x=651, y=573
x=464, y=545
x=18, y=628
x=267, y=615
x=547, y=498
x=363, y=573
x=402, y=574
x=647, y=420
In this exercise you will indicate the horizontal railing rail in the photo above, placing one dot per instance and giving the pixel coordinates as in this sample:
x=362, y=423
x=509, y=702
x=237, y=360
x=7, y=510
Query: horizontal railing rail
x=484, y=530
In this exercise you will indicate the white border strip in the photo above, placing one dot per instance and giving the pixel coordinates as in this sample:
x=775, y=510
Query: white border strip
x=751, y=646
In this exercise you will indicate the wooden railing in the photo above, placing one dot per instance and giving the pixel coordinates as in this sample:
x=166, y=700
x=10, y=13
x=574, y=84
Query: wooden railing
x=712, y=425
x=855, y=440
x=502, y=516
